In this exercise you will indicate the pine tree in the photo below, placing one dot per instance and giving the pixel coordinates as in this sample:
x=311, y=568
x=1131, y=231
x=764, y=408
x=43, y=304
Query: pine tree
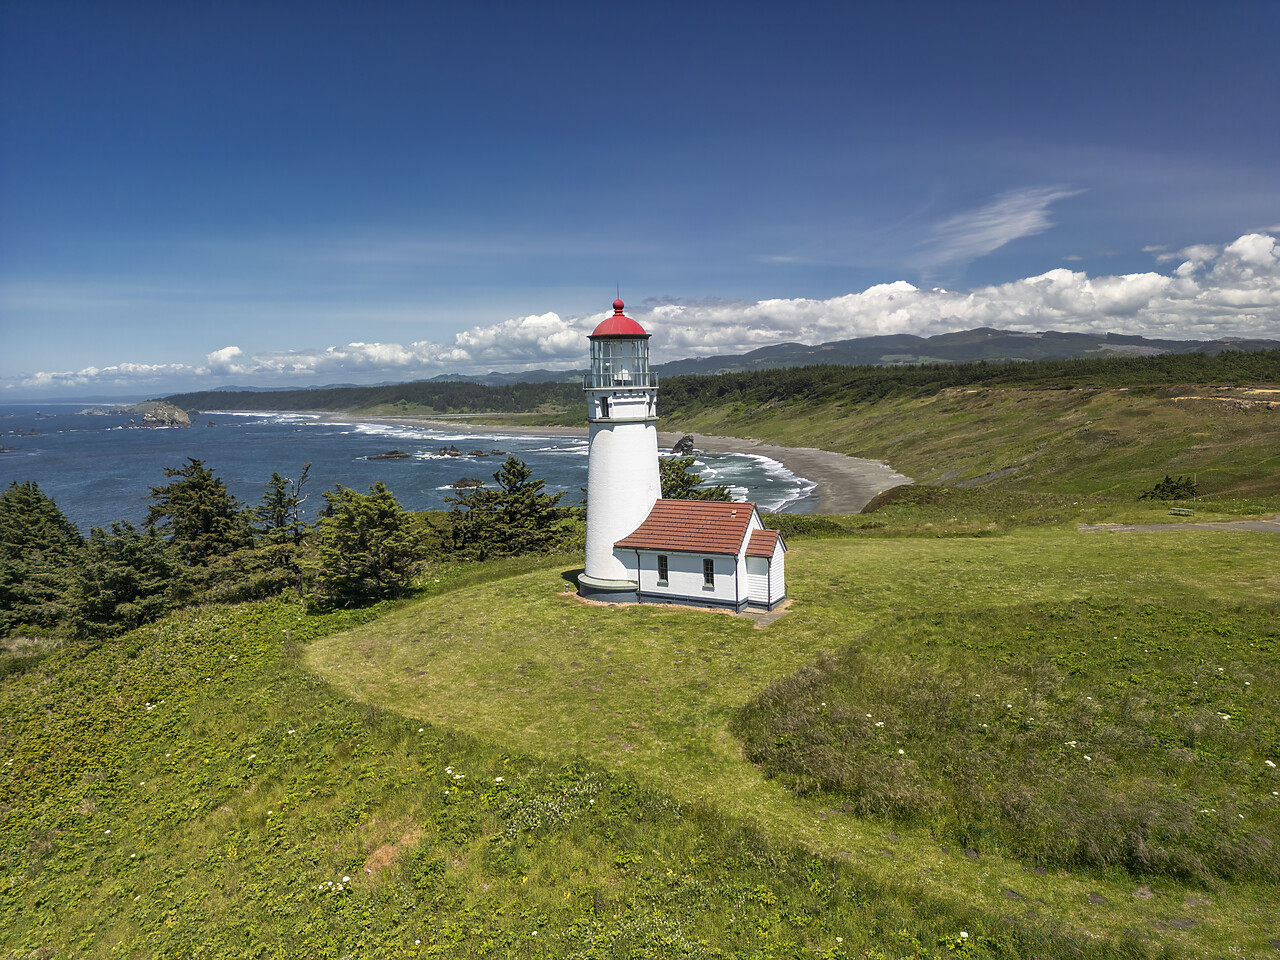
x=515, y=517
x=366, y=547
x=279, y=514
x=679, y=484
x=40, y=551
x=129, y=577
x=198, y=515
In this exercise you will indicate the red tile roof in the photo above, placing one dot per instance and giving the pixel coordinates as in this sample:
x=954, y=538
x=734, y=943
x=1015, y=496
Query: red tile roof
x=692, y=526
x=762, y=543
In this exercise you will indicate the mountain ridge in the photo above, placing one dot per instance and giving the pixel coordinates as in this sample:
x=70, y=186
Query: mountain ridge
x=898, y=349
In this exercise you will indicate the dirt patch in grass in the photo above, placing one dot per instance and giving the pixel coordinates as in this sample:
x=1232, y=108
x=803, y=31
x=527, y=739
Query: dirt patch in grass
x=382, y=857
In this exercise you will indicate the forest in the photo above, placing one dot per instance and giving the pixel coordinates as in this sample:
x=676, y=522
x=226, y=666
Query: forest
x=682, y=396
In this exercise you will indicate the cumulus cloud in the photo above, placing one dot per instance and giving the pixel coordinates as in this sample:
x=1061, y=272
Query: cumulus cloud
x=1014, y=214
x=1228, y=291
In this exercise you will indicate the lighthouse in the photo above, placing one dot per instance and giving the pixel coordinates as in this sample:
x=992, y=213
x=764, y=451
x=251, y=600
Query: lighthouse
x=622, y=463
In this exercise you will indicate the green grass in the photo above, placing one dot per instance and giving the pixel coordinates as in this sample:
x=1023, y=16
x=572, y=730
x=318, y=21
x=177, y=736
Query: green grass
x=1080, y=734
x=654, y=692
x=239, y=787
x=1112, y=443
x=189, y=790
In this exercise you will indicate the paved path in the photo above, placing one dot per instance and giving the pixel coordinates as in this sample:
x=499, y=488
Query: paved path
x=1265, y=525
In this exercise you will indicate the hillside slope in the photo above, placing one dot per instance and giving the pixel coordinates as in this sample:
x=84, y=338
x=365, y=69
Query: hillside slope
x=1085, y=440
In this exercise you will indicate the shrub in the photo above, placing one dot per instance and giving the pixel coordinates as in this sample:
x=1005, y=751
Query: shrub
x=1172, y=488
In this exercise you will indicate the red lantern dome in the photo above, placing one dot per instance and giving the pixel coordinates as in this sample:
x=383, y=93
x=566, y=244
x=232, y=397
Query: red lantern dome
x=618, y=325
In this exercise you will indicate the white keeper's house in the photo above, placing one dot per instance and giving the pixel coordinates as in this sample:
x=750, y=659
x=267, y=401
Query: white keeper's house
x=640, y=547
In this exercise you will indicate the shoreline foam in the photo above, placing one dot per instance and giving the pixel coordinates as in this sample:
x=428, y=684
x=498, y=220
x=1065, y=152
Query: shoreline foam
x=843, y=484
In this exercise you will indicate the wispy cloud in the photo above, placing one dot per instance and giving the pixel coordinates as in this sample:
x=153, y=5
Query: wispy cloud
x=976, y=233
x=1227, y=291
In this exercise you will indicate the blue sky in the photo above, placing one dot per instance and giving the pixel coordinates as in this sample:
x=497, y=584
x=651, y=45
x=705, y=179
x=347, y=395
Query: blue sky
x=287, y=192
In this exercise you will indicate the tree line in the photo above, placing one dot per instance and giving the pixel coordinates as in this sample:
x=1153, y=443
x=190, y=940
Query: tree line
x=199, y=544
x=687, y=395
x=443, y=397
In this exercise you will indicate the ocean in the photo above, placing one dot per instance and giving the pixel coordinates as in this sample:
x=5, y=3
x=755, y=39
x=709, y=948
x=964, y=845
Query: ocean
x=98, y=467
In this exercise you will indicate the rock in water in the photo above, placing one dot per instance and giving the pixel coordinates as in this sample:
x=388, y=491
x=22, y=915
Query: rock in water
x=157, y=413
x=684, y=446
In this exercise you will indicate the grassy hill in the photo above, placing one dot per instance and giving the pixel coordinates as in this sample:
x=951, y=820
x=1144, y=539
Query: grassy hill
x=430, y=779
x=1077, y=441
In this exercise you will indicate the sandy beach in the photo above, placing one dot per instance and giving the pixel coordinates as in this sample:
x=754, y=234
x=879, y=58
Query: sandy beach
x=844, y=484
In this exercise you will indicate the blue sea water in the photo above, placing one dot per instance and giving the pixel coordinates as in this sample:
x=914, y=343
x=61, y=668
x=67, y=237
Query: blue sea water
x=98, y=467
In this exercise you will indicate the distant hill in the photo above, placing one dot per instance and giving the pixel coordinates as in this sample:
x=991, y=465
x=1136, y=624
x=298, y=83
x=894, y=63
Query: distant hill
x=966, y=346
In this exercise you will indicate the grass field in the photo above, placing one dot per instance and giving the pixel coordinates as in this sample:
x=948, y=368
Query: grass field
x=495, y=757
x=654, y=693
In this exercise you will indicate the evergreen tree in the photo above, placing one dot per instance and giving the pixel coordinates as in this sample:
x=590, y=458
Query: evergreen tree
x=515, y=517
x=40, y=550
x=198, y=515
x=1172, y=488
x=279, y=515
x=679, y=484
x=365, y=546
x=129, y=577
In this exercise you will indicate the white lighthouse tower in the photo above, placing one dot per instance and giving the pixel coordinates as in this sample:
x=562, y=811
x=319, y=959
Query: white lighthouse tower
x=622, y=466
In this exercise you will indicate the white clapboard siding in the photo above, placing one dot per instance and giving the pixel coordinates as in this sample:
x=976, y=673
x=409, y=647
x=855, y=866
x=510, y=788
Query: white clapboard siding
x=758, y=580
x=778, y=574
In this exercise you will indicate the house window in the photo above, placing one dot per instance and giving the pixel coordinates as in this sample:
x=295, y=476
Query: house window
x=662, y=571
x=708, y=574
x=604, y=407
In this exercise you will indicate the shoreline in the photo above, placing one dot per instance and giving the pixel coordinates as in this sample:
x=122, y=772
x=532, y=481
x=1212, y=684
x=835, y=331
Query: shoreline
x=843, y=484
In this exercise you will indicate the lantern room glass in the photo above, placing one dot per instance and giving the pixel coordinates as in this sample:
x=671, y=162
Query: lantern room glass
x=620, y=362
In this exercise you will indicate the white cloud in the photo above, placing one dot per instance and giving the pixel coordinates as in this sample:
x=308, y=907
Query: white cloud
x=223, y=361
x=1014, y=214
x=1198, y=253
x=1232, y=291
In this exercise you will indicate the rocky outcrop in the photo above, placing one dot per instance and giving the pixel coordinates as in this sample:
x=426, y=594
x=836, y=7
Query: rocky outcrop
x=389, y=455
x=684, y=446
x=157, y=413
